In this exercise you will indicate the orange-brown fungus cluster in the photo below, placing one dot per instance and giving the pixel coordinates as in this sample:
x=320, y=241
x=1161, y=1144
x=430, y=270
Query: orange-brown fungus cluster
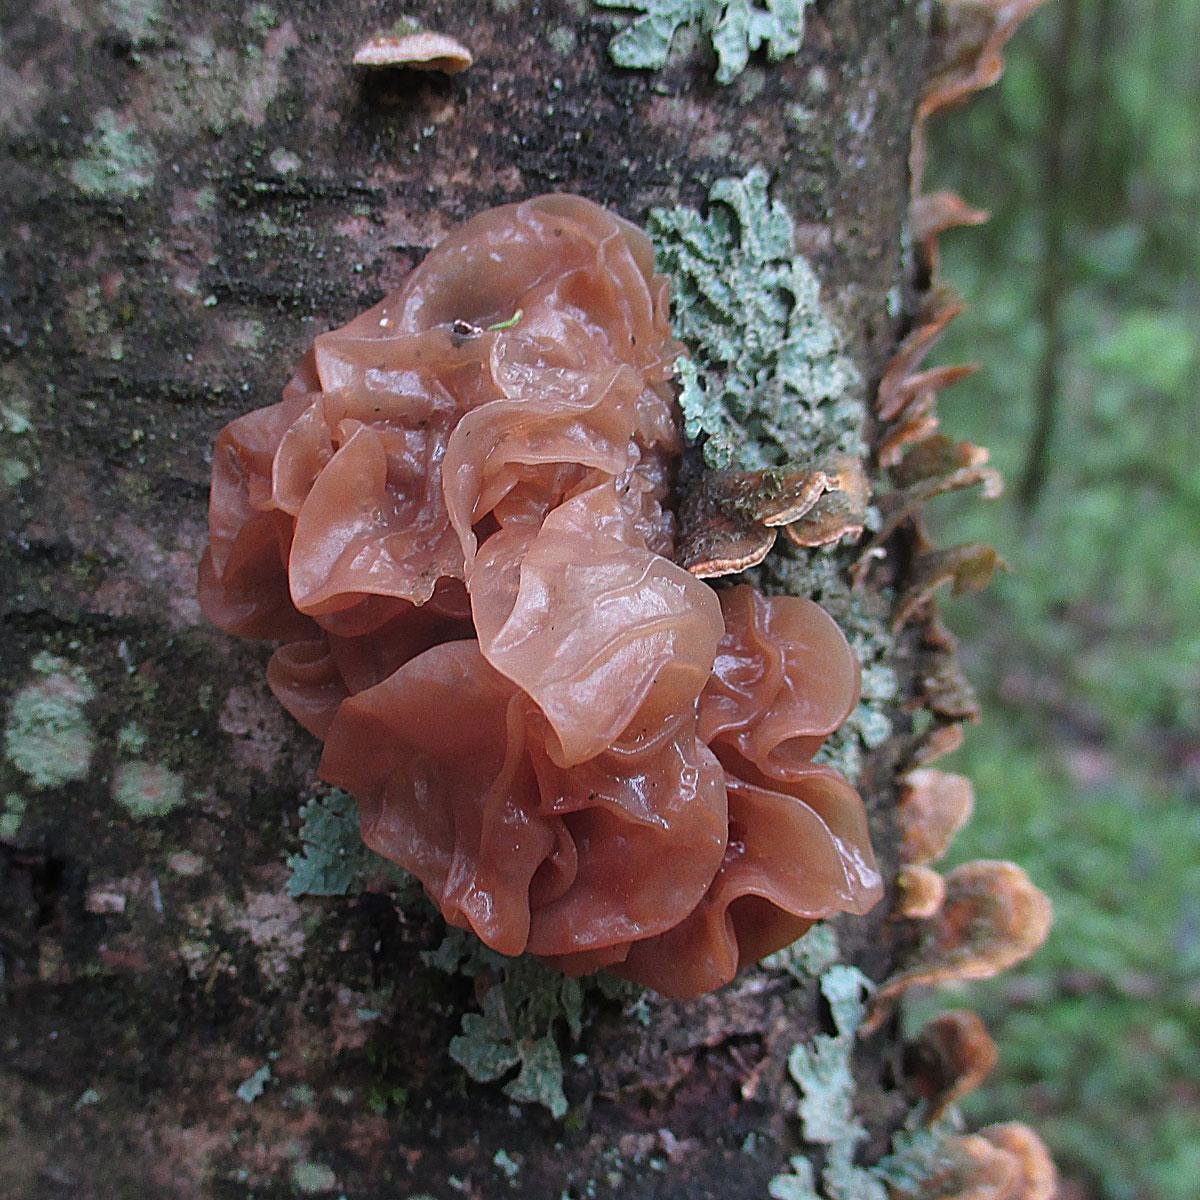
x=454, y=522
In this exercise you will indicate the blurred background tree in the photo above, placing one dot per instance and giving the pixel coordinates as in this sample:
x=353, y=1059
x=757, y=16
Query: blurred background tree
x=1084, y=295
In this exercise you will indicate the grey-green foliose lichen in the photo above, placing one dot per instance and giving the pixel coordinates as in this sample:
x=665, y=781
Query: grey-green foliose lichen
x=822, y=1072
x=736, y=28
x=767, y=379
x=516, y=1029
x=807, y=957
x=333, y=861
x=524, y=1015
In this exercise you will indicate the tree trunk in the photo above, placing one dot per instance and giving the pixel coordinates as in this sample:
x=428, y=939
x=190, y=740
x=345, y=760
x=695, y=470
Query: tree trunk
x=192, y=192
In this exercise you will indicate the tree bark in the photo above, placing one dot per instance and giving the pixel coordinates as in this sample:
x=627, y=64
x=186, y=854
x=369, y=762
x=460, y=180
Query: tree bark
x=192, y=192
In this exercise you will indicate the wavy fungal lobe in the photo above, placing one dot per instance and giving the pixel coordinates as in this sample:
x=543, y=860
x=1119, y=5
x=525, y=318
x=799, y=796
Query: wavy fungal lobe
x=455, y=523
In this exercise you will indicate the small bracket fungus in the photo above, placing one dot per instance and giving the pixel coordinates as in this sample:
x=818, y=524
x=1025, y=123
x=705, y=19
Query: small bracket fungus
x=934, y=806
x=456, y=524
x=415, y=49
x=729, y=519
x=931, y=215
x=933, y=466
x=1038, y=1178
x=967, y=568
x=970, y=57
x=1001, y=1162
x=992, y=918
x=938, y=742
x=921, y=892
x=951, y=1057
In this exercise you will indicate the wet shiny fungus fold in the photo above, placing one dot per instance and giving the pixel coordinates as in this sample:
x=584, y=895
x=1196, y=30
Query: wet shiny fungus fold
x=456, y=524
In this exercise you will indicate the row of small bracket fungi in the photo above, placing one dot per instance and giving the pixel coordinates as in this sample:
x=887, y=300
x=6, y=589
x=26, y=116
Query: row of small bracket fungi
x=980, y=918
x=973, y=923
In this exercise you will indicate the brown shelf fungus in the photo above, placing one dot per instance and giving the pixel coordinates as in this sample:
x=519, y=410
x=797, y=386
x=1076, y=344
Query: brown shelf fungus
x=992, y=917
x=951, y=1057
x=415, y=50
x=457, y=524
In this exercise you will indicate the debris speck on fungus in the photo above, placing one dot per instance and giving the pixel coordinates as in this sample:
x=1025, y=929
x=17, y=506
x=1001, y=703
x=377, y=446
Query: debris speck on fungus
x=736, y=28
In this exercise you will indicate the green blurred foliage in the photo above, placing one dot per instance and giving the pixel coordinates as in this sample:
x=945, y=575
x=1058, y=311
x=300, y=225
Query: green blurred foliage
x=1087, y=653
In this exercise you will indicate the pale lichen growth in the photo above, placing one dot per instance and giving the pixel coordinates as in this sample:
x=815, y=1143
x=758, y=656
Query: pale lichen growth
x=807, y=957
x=254, y=1085
x=736, y=28
x=506, y=1164
x=517, y=1029
x=313, y=1179
x=12, y=813
x=332, y=860
x=273, y=924
x=119, y=165
x=132, y=738
x=822, y=1072
x=147, y=790
x=140, y=21
x=16, y=445
x=767, y=379
x=48, y=736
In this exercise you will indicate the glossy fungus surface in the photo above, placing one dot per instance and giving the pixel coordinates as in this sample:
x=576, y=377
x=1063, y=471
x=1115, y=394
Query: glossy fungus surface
x=456, y=524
